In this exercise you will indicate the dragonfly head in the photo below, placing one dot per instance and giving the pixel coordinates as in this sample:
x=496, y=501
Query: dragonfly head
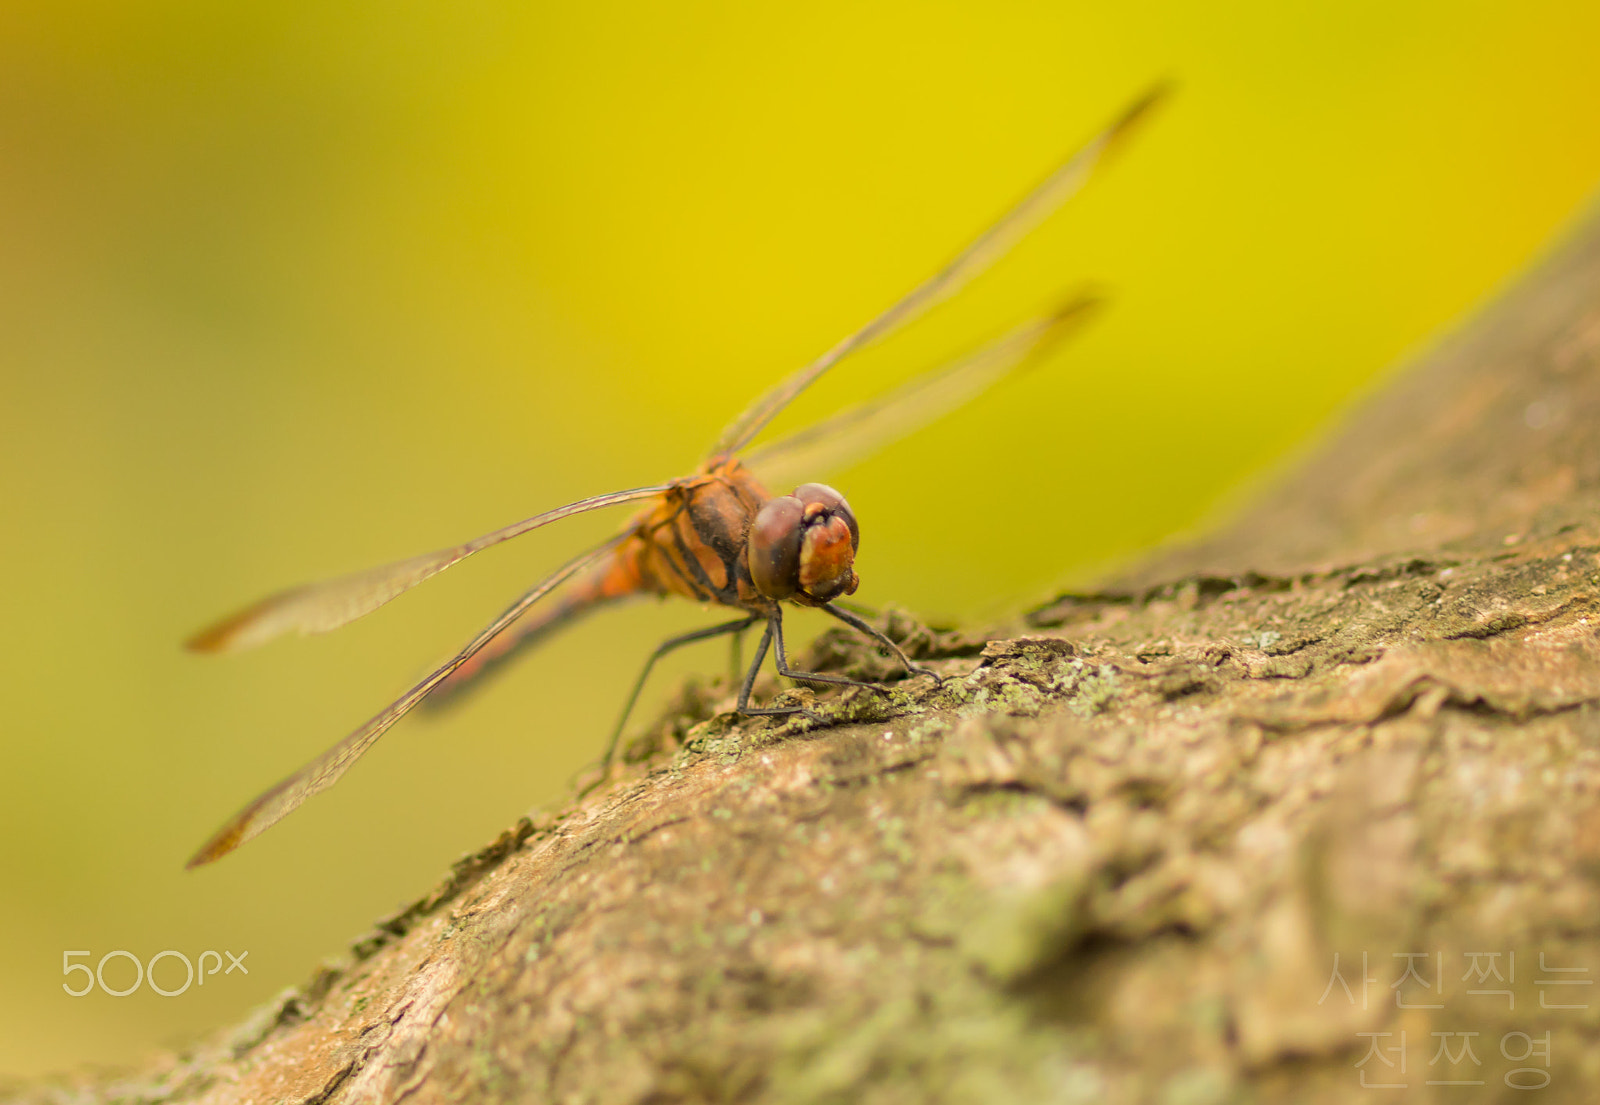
x=803, y=546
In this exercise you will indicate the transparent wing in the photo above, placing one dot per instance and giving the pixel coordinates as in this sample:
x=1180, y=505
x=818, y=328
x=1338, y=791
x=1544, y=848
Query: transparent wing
x=319, y=607
x=860, y=431
x=322, y=772
x=603, y=585
x=528, y=634
x=984, y=249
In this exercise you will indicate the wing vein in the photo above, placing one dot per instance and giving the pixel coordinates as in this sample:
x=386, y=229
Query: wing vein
x=322, y=772
x=1000, y=236
x=859, y=431
x=324, y=606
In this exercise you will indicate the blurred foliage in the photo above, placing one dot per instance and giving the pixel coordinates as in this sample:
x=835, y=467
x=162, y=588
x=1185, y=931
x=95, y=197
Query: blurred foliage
x=288, y=289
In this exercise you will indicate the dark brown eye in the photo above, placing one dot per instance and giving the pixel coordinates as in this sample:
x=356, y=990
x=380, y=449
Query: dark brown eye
x=833, y=503
x=774, y=547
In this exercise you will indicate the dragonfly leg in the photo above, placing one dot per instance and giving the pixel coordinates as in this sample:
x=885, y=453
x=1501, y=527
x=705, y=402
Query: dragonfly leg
x=774, y=629
x=776, y=626
x=735, y=627
x=856, y=623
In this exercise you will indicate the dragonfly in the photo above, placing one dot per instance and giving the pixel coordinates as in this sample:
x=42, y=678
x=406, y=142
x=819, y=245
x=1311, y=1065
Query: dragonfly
x=716, y=536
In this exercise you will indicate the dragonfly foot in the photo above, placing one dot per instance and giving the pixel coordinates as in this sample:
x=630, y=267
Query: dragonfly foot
x=786, y=712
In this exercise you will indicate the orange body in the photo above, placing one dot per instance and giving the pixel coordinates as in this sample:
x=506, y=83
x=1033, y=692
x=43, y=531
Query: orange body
x=690, y=541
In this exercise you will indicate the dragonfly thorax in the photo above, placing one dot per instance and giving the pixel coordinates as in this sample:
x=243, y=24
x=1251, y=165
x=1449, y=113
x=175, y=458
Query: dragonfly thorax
x=802, y=546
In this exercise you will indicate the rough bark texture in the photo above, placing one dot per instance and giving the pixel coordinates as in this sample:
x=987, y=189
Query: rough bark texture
x=1112, y=857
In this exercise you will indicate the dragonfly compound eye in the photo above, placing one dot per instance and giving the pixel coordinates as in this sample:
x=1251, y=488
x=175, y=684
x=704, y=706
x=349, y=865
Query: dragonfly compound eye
x=803, y=546
x=774, y=548
x=833, y=503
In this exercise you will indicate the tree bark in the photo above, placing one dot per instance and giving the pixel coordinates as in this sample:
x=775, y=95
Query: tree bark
x=1113, y=856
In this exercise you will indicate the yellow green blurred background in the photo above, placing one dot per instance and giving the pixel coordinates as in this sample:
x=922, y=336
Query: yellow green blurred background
x=290, y=289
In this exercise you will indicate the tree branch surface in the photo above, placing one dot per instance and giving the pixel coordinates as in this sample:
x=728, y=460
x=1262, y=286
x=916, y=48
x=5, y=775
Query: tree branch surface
x=1111, y=857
